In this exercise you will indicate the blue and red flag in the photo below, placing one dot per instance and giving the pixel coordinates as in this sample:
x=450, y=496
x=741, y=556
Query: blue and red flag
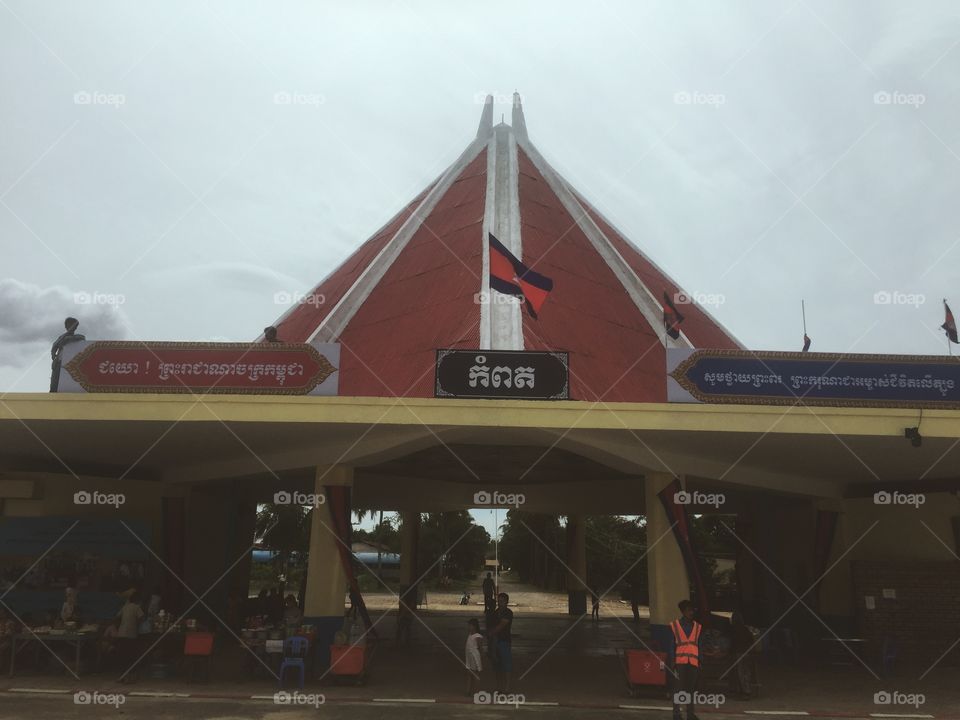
x=511, y=277
x=671, y=317
x=679, y=520
x=949, y=324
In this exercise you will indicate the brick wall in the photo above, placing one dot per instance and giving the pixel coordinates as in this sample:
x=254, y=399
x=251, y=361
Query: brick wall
x=923, y=619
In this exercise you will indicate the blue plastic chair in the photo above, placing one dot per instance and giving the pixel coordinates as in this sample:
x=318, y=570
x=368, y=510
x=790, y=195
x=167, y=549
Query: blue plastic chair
x=294, y=656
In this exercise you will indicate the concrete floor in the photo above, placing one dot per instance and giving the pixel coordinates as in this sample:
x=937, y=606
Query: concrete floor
x=557, y=660
x=64, y=708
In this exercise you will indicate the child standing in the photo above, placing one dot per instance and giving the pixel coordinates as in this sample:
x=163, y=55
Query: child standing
x=472, y=655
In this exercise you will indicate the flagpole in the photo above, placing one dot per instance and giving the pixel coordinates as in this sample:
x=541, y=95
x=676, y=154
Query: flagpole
x=803, y=310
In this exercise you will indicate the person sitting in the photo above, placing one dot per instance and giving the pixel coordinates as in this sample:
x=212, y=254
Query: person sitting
x=108, y=642
x=56, y=351
x=68, y=611
x=292, y=614
x=270, y=335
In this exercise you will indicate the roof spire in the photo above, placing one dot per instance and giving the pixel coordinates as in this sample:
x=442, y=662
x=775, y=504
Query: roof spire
x=519, y=124
x=486, y=118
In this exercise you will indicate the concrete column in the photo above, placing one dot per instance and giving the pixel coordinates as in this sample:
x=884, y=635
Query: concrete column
x=242, y=528
x=409, y=546
x=835, y=593
x=666, y=572
x=577, y=564
x=326, y=580
x=212, y=547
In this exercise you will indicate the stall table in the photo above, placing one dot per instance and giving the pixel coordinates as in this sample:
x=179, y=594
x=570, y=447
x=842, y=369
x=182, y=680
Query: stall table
x=77, y=640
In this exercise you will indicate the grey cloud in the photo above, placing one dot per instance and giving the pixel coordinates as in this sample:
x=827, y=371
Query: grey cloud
x=32, y=317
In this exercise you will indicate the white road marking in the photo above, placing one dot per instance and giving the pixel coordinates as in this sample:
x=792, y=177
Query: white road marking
x=405, y=700
x=45, y=691
x=645, y=707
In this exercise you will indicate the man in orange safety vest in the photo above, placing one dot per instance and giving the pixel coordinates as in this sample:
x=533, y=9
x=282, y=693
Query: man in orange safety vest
x=686, y=659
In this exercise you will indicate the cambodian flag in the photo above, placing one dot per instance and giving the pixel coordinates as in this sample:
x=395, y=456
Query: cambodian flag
x=806, y=343
x=949, y=324
x=511, y=277
x=671, y=317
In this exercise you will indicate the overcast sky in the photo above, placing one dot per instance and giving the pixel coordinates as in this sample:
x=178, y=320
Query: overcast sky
x=152, y=184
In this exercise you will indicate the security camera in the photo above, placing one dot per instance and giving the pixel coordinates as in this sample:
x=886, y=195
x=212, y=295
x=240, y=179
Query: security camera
x=913, y=435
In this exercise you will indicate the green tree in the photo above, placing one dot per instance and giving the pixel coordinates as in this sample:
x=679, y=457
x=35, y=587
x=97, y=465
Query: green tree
x=453, y=541
x=285, y=529
x=530, y=546
x=616, y=548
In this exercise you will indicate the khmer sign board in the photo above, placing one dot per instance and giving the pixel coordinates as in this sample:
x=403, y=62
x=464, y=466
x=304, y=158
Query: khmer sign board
x=503, y=374
x=188, y=367
x=795, y=378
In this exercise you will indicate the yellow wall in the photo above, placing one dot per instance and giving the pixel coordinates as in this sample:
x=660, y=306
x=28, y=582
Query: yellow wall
x=901, y=533
x=53, y=496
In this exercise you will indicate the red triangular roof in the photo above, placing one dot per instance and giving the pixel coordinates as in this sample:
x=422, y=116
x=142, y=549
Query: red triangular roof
x=419, y=283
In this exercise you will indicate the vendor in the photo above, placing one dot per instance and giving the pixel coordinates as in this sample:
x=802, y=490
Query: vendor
x=292, y=614
x=68, y=611
x=153, y=605
x=130, y=616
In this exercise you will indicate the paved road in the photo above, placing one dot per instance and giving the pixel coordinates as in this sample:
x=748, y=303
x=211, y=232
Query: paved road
x=33, y=708
x=64, y=708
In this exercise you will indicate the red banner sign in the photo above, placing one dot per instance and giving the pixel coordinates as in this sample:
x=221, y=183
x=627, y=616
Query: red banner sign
x=180, y=367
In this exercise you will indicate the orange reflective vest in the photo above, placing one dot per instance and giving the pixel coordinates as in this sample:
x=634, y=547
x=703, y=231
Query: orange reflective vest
x=687, y=652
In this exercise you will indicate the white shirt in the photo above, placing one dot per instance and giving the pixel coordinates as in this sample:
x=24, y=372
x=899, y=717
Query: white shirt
x=472, y=651
x=130, y=617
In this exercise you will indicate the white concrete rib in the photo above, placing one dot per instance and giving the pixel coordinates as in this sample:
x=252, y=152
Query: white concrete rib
x=341, y=314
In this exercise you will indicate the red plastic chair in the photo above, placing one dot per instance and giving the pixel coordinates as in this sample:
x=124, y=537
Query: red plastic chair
x=199, y=645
